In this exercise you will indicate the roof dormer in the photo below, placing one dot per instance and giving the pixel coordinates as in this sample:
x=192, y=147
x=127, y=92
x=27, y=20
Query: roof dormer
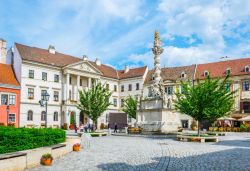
x=247, y=68
x=206, y=73
x=183, y=74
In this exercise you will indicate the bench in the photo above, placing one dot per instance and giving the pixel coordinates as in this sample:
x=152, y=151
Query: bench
x=11, y=155
x=132, y=130
x=58, y=146
x=185, y=138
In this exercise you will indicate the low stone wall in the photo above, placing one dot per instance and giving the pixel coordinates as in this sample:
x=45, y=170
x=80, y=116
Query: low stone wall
x=19, y=161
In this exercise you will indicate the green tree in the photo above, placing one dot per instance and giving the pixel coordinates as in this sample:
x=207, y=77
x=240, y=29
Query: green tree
x=207, y=100
x=94, y=101
x=130, y=106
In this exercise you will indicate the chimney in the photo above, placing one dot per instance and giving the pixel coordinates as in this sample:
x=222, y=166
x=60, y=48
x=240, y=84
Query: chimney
x=126, y=69
x=85, y=57
x=98, y=62
x=3, y=51
x=52, y=49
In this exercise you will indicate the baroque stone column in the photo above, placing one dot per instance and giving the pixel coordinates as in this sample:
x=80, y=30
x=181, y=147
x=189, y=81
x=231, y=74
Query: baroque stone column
x=157, y=51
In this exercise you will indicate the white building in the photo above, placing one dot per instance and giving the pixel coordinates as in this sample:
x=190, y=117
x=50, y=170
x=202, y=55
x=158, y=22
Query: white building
x=39, y=70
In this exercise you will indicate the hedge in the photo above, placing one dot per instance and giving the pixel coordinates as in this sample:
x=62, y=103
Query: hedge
x=17, y=139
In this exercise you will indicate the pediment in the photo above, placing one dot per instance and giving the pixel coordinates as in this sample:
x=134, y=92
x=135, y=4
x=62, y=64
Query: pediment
x=84, y=66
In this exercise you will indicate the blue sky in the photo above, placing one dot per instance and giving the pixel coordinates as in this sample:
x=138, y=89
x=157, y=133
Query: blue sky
x=120, y=32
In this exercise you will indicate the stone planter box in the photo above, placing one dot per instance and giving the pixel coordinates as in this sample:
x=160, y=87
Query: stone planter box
x=187, y=138
x=19, y=161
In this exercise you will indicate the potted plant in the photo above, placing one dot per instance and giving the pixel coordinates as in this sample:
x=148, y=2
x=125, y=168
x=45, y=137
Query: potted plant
x=194, y=125
x=46, y=159
x=76, y=147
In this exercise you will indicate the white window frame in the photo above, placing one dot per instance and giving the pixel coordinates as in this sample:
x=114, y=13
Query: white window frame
x=12, y=104
x=206, y=73
x=9, y=121
x=31, y=116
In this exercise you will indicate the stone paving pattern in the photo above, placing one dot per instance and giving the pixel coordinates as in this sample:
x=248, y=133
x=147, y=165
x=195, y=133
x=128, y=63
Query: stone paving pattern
x=120, y=153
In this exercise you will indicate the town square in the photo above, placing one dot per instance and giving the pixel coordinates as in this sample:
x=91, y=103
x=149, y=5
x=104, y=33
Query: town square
x=124, y=85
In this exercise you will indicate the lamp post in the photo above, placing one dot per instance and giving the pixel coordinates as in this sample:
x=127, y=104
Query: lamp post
x=7, y=111
x=45, y=97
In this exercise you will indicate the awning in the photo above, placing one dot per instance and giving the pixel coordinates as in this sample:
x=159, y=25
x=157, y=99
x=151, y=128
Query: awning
x=226, y=118
x=245, y=119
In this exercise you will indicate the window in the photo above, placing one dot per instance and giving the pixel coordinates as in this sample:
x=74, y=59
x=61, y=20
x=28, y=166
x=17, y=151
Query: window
x=246, y=107
x=30, y=93
x=206, y=73
x=56, y=96
x=137, y=97
x=115, y=102
x=137, y=86
x=169, y=90
x=107, y=86
x=181, y=90
x=11, y=118
x=247, y=69
x=44, y=76
x=4, y=99
x=12, y=99
x=70, y=95
x=70, y=80
x=42, y=94
x=80, y=82
x=31, y=73
x=55, y=116
x=228, y=71
x=122, y=102
x=43, y=115
x=30, y=115
x=245, y=86
x=122, y=88
x=115, y=88
x=184, y=123
x=56, y=78
x=130, y=87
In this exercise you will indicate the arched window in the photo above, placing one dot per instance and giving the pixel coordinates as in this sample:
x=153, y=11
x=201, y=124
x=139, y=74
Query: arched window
x=43, y=116
x=30, y=115
x=55, y=116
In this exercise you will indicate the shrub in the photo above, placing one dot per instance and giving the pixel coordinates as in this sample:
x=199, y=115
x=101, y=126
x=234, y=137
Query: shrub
x=47, y=156
x=243, y=128
x=17, y=139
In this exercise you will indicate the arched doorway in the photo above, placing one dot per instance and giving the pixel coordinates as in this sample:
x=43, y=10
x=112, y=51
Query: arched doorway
x=72, y=117
x=83, y=118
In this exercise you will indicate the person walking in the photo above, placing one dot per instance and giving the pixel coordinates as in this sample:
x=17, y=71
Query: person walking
x=75, y=128
x=115, y=130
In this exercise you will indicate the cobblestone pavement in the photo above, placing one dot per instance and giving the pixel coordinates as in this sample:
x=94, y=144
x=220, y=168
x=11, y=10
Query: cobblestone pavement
x=117, y=153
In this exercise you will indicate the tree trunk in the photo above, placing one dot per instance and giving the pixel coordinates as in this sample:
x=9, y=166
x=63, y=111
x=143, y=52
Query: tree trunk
x=198, y=128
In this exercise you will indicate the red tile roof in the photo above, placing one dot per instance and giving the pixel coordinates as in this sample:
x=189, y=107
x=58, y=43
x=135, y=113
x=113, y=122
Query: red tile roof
x=173, y=73
x=60, y=60
x=7, y=75
x=133, y=72
x=218, y=69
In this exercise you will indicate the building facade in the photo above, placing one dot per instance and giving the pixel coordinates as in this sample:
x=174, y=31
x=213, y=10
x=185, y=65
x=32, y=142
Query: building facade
x=62, y=76
x=9, y=91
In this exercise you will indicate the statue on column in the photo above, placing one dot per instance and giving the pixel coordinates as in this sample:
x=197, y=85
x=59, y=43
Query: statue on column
x=158, y=89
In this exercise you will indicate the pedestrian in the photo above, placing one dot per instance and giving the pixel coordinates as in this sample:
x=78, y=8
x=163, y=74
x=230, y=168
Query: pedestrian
x=75, y=128
x=115, y=131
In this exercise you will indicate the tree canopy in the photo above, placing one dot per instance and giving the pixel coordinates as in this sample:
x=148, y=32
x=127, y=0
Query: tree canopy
x=209, y=99
x=94, y=101
x=130, y=106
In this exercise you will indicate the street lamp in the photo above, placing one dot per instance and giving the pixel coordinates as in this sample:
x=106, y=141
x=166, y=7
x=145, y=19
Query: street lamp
x=45, y=97
x=7, y=111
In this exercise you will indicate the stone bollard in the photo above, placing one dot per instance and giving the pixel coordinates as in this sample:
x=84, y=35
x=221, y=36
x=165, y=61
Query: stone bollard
x=126, y=130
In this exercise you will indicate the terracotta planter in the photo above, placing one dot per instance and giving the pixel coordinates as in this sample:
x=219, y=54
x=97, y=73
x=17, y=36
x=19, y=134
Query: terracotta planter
x=76, y=148
x=71, y=126
x=46, y=161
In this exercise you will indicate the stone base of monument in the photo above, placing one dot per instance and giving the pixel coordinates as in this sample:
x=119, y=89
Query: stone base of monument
x=158, y=120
